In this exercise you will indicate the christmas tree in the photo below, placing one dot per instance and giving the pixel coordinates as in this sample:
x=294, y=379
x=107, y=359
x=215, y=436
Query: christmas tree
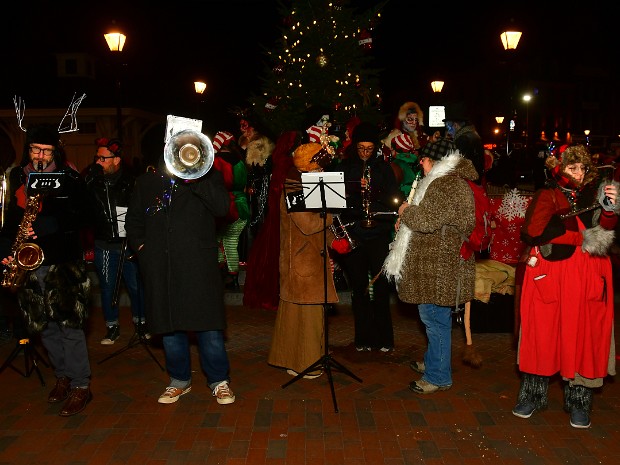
x=323, y=62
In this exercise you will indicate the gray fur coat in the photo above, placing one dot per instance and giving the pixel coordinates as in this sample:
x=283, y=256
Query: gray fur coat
x=441, y=211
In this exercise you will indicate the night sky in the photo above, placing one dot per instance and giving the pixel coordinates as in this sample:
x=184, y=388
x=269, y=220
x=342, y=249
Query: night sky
x=220, y=41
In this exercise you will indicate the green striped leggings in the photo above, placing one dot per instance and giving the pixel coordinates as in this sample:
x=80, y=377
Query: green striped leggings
x=228, y=239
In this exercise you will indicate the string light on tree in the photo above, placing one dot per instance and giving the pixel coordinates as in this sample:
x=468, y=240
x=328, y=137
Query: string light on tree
x=322, y=60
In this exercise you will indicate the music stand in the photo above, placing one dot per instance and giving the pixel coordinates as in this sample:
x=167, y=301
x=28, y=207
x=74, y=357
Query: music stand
x=306, y=199
x=137, y=337
x=23, y=344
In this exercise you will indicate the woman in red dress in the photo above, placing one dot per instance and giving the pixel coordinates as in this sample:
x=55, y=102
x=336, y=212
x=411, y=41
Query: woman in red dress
x=567, y=303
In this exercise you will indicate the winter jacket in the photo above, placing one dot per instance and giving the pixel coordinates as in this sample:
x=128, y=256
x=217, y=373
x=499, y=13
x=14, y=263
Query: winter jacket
x=175, y=225
x=441, y=213
x=301, y=261
x=109, y=192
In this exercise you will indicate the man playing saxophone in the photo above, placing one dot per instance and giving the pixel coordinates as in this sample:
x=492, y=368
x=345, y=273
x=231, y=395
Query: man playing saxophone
x=54, y=294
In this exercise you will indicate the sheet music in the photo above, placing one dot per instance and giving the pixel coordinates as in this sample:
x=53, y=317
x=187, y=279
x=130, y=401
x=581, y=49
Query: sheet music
x=120, y=219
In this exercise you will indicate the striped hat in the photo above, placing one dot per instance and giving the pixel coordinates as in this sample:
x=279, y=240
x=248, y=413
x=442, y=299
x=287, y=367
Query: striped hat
x=314, y=134
x=403, y=143
x=220, y=139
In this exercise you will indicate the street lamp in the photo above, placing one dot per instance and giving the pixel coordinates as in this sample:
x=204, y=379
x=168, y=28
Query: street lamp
x=526, y=99
x=437, y=86
x=199, y=87
x=587, y=133
x=116, y=42
x=510, y=40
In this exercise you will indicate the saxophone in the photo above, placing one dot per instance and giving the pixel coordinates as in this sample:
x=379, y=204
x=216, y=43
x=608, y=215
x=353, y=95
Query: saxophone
x=27, y=256
x=367, y=222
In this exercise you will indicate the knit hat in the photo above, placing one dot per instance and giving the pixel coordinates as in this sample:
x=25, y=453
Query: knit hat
x=403, y=143
x=437, y=150
x=314, y=134
x=113, y=145
x=222, y=138
x=311, y=157
x=45, y=134
x=365, y=132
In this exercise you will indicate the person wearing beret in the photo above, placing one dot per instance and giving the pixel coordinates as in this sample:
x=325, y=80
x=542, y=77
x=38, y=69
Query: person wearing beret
x=567, y=302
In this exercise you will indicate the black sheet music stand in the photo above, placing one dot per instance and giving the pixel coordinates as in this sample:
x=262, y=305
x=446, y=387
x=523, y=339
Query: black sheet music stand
x=138, y=337
x=24, y=345
x=301, y=197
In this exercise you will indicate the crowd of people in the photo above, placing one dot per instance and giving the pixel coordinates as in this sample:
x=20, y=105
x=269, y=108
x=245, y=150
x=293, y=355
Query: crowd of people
x=177, y=242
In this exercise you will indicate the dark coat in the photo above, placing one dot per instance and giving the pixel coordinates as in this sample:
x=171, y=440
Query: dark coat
x=58, y=227
x=109, y=192
x=178, y=260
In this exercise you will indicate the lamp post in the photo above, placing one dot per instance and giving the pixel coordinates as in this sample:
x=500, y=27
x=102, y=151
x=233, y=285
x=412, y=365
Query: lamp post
x=499, y=120
x=587, y=133
x=510, y=40
x=526, y=99
x=116, y=42
x=199, y=87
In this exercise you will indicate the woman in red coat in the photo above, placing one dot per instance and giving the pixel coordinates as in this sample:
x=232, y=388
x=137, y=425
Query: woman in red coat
x=567, y=303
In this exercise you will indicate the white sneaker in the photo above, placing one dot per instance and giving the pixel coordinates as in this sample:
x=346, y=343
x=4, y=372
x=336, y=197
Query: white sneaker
x=223, y=393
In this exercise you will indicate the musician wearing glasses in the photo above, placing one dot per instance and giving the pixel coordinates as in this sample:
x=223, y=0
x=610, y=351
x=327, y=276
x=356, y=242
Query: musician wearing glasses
x=54, y=296
x=171, y=224
x=111, y=184
x=567, y=298
x=372, y=195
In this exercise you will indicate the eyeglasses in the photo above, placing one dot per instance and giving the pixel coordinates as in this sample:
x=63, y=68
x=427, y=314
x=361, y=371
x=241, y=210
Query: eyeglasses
x=363, y=149
x=102, y=158
x=577, y=169
x=37, y=150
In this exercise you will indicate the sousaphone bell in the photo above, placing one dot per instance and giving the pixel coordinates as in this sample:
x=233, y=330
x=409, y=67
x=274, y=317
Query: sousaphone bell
x=188, y=154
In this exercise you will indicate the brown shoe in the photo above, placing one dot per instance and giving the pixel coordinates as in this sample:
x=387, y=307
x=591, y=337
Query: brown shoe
x=60, y=391
x=78, y=398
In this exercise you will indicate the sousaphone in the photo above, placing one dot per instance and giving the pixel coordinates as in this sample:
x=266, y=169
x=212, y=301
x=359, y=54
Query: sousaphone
x=188, y=154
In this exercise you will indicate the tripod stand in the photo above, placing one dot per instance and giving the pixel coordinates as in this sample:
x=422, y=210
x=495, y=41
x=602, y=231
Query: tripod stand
x=326, y=362
x=31, y=359
x=138, y=337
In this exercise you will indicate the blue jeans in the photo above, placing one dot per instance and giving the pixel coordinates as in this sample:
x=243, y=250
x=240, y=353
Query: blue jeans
x=212, y=353
x=106, y=264
x=438, y=356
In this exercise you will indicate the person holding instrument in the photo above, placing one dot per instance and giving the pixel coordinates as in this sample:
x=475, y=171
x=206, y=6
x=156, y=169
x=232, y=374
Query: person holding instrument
x=171, y=224
x=567, y=298
x=371, y=188
x=54, y=297
x=111, y=185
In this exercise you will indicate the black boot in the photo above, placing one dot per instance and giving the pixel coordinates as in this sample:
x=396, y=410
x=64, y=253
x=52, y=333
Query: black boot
x=578, y=402
x=232, y=281
x=532, y=395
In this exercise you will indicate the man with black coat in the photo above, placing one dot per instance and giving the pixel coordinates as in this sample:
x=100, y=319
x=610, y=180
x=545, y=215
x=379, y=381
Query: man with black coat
x=171, y=224
x=111, y=185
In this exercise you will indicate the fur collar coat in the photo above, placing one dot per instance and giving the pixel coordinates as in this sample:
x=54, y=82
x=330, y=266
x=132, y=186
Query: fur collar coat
x=442, y=210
